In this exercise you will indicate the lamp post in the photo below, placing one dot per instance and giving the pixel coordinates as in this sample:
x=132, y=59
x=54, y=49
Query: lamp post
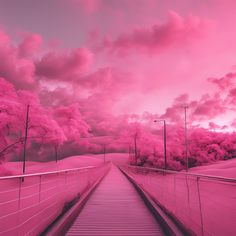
x=186, y=136
x=26, y=136
x=164, y=137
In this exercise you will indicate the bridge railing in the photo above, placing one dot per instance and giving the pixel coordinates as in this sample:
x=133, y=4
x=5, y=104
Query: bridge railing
x=29, y=203
x=204, y=204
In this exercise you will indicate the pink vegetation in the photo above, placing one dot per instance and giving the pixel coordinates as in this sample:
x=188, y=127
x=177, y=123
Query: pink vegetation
x=77, y=94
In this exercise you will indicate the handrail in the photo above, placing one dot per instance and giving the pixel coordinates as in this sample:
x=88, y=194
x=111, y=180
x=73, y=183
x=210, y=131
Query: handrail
x=191, y=198
x=226, y=179
x=47, y=173
x=45, y=193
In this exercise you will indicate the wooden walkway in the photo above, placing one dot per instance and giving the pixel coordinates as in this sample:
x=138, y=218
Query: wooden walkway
x=115, y=208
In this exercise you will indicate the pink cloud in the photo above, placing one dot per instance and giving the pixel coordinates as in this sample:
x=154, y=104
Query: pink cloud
x=108, y=80
x=89, y=5
x=233, y=123
x=209, y=107
x=177, y=31
x=224, y=83
x=75, y=96
x=94, y=6
x=231, y=97
x=226, y=86
x=19, y=71
x=175, y=112
x=213, y=126
x=65, y=66
x=30, y=45
x=4, y=38
x=14, y=67
x=57, y=97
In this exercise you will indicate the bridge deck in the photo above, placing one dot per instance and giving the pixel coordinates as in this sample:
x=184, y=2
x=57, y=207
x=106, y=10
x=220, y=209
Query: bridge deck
x=115, y=208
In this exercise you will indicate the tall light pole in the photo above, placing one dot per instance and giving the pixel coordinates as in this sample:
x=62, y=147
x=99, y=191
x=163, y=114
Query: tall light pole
x=164, y=137
x=186, y=135
x=26, y=136
x=164, y=122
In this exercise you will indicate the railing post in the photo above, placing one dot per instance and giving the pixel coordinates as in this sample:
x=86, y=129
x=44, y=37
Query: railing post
x=175, y=192
x=187, y=187
x=65, y=180
x=40, y=180
x=78, y=182
x=19, y=202
x=186, y=179
x=89, y=178
x=200, y=206
x=19, y=193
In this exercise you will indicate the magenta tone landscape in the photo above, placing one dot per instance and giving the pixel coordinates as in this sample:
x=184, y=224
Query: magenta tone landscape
x=99, y=95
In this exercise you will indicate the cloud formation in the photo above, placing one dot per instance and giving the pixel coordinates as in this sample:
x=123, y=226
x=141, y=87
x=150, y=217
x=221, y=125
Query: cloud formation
x=30, y=45
x=65, y=66
x=177, y=31
x=77, y=92
x=15, y=68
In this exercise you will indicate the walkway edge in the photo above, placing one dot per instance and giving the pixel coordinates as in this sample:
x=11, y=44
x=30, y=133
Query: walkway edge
x=61, y=225
x=169, y=226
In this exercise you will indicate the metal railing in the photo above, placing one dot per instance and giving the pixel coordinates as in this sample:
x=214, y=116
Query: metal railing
x=202, y=203
x=30, y=202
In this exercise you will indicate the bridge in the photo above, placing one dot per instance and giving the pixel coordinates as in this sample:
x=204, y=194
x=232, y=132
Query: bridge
x=110, y=200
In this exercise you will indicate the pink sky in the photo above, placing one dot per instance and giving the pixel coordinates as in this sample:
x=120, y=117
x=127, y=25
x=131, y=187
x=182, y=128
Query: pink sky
x=124, y=56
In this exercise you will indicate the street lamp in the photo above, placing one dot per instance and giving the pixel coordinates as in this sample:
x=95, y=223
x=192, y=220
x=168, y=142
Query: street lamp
x=164, y=136
x=25, y=138
x=186, y=136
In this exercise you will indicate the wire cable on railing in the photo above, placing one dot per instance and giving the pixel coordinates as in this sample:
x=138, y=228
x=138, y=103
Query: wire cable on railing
x=191, y=204
x=41, y=193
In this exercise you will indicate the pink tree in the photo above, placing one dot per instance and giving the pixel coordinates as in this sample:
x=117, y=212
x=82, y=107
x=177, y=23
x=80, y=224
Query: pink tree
x=42, y=127
x=144, y=144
